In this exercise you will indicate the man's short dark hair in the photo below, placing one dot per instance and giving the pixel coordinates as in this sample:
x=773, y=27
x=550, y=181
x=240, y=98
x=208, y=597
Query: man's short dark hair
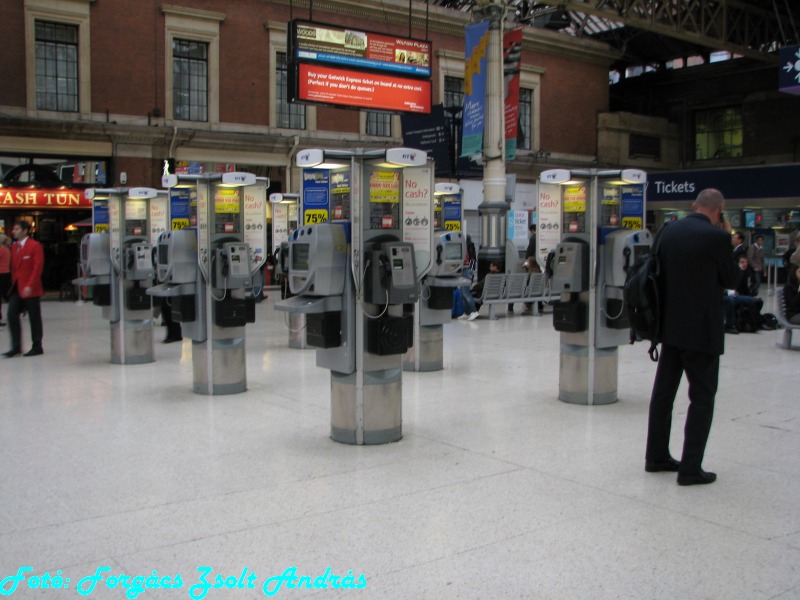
x=532, y=227
x=24, y=225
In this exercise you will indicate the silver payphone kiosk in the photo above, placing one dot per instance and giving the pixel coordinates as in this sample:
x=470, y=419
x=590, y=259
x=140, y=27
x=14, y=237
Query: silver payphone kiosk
x=593, y=222
x=207, y=272
x=435, y=305
x=356, y=281
x=136, y=217
x=286, y=212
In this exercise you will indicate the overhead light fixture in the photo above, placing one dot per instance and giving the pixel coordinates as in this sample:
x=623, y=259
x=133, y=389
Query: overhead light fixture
x=633, y=176
x=238, y=179
x=315, y=158
x=446, y=189
x=556, y=176
x=278, y=197
x=142, y=192
x=406, y=157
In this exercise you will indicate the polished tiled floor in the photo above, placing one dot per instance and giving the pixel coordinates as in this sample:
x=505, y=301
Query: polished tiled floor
x=497, y=490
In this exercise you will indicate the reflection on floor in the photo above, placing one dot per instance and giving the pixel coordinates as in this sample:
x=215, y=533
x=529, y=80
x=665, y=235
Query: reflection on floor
x=497, y=490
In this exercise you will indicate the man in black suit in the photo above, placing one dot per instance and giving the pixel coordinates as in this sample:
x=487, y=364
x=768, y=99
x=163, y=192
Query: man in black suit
x=697, y=265
x=739, y=249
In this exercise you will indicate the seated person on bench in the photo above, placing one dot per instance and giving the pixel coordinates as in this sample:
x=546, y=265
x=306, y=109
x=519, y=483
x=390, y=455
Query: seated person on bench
x=791, y=296
x=477, y=289
x=743, y=295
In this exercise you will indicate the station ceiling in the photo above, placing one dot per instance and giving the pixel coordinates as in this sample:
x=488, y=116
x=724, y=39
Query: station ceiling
x=652, y=32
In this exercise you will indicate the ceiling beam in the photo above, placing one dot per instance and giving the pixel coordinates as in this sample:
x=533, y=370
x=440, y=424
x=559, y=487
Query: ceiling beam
x=728, y=25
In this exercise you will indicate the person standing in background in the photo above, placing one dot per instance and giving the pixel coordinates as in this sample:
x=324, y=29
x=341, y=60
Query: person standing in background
x=27, y=264
x=696, y=268
x=531, y=265
x=5, y=272
x=737, y=241
x=470, y=260
x=755, y=258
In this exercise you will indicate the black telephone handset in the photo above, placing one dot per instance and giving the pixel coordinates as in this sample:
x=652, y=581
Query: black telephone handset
x=385, y=270
x=626, y=252
x=439, y=250
x=225, y=263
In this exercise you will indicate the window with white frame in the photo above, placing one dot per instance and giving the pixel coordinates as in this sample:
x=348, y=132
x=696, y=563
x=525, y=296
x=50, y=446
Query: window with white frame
x=525, y=112
x=58, y=51
x=453, y=103
x=379, y=123
x=56, y=66
x=192, y=64
x=189, y=80
x=287, y=115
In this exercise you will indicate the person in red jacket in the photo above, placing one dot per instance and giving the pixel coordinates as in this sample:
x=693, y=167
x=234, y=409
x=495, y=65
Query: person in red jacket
x=5, y=272
x=27, y=263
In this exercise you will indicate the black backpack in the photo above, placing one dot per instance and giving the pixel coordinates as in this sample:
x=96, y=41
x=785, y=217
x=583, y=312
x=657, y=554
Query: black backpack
x=642, y=296
x=769, y=321
x=747, y=320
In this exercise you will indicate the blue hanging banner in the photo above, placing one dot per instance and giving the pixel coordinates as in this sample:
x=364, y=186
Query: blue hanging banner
x=477, y=40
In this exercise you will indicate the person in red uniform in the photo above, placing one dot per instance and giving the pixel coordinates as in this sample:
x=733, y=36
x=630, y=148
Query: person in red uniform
x=27, y=263
x=5, y=271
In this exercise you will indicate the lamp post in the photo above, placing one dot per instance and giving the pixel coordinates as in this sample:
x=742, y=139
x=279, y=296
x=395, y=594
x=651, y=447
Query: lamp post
x=455, y=132
x=494, y=207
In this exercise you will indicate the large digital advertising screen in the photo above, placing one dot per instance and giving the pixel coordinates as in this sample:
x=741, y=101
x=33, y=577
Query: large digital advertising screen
x=331, y=64
x=317, y=83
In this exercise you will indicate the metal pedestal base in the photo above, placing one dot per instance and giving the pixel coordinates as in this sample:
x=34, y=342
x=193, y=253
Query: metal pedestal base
x=573, y=380
x=297, y=331
x=430, y=349
x=229, y=374
x=137, y=347
x=381, y=420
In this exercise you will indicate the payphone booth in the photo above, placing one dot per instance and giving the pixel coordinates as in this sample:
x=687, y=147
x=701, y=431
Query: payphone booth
x=434, y=309
x=209, y=272
x=594, y=222
x=286, y=215
x=357, y=280
x=435, y=305
x=118, y=266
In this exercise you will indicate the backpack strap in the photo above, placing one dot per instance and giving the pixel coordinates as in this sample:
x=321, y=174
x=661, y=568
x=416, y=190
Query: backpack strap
x=653, y=350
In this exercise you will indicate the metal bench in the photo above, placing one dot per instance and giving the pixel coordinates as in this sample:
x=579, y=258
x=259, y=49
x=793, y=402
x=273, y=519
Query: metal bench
x=514, y=287
x=780, y=314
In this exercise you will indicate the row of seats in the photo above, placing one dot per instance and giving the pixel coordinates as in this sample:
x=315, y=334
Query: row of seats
x=784, y=322
x=515, y=287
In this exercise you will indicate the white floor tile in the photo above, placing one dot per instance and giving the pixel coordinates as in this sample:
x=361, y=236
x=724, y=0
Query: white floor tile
x=497, y=489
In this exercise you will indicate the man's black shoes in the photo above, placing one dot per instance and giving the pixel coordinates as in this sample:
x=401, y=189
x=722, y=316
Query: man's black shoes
x=657, y=466
x=698, y=478
x=34, y=352
x=11, y=353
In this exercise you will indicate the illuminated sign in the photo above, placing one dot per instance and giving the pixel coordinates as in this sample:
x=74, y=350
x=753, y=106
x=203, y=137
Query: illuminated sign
x=43, y=198
x=359, y=50
x=331, y=64
x=363, y=90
